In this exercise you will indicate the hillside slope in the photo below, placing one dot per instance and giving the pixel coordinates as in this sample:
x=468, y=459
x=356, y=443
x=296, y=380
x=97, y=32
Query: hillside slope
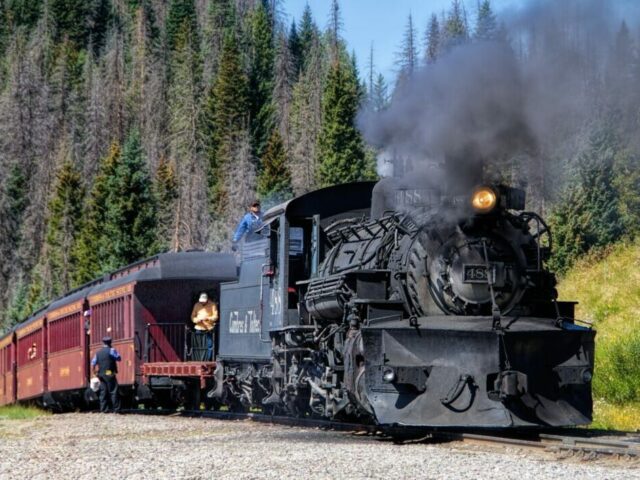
x=608, y=289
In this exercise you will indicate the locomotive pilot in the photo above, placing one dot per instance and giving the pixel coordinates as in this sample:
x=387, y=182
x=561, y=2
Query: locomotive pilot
x=105, y=367
x=204, y=317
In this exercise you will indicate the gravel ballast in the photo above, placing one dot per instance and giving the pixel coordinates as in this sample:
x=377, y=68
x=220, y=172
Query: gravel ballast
x=89, y=446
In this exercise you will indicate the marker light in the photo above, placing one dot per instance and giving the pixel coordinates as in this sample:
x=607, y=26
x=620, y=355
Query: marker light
x=484, y=199
x=388, y=375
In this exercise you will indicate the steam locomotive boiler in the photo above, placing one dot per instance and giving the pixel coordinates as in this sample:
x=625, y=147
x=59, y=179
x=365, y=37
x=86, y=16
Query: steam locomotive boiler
x=421, y=308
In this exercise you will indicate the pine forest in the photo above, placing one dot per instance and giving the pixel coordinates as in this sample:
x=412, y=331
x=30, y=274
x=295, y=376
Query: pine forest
x=132, y=127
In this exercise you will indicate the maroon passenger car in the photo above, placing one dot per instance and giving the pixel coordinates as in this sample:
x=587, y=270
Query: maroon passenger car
x=144, y=307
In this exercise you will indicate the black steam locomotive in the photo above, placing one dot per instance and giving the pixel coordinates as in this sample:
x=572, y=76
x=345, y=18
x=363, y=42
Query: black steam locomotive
x=395, y=303
x=404, y=306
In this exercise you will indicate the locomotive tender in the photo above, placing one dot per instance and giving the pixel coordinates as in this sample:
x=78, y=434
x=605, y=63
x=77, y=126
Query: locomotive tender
x=389, y=303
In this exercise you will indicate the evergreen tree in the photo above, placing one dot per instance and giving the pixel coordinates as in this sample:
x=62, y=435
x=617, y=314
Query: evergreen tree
x=21, y=13
x=93, y=249
x=18, y=308
x=130, y=219
x=119, y=227
x=13, y=201
x=66, y=77
x=596, y=173
x=371, y=67
x=65, y=216
x=94, y=119
x=71, y=20
x=306, y=120
x=455, y=30
x=623, y=54
x=335, y=26
x=379, y=94
x=295, y=48
x=4, y=36
x=567, y=223
x=146, y=77
x=229, y=95
x=238, y=180
x=181, y=20
x=274, y=182
x=622, y=77
x=627, y=183
x=341, y=149
x=36, y=297
x=309, y=36
x=408, y=55
x=261, y=76
x=187, y=145
x=220, y=22
x=284, y=79
x=227, y=113
x=589, y=214
x=166, y=191
x=432, y=40
x=99, y=18
x=114, y=86
x=487, y=26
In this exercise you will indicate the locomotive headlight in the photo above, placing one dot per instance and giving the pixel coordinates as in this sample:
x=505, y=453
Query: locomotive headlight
x=484, y=199
x=388, y=375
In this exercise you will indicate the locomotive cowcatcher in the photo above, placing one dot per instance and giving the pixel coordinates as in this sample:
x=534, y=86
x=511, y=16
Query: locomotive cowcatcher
x=387, y=303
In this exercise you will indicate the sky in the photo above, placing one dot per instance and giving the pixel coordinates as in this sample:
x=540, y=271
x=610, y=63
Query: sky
x=382, y=22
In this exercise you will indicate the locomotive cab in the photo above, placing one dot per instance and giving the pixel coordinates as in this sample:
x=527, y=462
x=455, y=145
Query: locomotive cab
x=291, y=245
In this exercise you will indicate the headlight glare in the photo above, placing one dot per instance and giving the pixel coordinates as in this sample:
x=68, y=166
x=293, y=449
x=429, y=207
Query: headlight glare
x=484, y=199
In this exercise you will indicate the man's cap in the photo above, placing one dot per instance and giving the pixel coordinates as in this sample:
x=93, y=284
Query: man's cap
x=203, y=297
x=106, y=340
x=255, y=203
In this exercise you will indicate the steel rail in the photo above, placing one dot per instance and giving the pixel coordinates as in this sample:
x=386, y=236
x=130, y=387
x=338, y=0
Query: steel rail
x=578, y=443
x=556, y=443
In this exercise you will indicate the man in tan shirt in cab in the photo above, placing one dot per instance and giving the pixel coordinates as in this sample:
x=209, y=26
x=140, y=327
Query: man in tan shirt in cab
x=204, y=317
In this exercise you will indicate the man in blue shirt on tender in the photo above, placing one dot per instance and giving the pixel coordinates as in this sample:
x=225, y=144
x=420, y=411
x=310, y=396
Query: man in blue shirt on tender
x=105, y=368
x=250, y=223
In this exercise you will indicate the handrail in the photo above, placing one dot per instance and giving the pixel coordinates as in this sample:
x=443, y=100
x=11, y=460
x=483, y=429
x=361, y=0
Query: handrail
x=165, y=341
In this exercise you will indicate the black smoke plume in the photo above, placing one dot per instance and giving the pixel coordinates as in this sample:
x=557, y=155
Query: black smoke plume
x=518, y=103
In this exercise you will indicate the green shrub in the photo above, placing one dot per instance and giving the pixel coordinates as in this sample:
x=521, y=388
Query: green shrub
x=607, y=287
x=617, y=374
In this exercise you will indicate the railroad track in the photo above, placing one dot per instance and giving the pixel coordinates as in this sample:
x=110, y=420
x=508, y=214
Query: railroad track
x=629, y=448
x=588, y=443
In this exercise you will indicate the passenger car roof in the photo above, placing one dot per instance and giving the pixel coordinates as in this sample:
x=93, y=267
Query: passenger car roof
x=165, y=266
x=220, y=267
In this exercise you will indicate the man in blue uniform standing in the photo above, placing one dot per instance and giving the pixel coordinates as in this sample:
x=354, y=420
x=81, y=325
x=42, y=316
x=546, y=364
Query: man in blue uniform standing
x=249, y=224
x=105, y=367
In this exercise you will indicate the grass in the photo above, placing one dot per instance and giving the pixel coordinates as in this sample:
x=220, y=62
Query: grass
x=608, y=289
x=19, y=412
x=616, y=417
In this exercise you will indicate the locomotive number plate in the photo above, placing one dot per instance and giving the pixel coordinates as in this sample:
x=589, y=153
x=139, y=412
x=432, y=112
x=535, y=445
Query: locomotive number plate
x=474, y=273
